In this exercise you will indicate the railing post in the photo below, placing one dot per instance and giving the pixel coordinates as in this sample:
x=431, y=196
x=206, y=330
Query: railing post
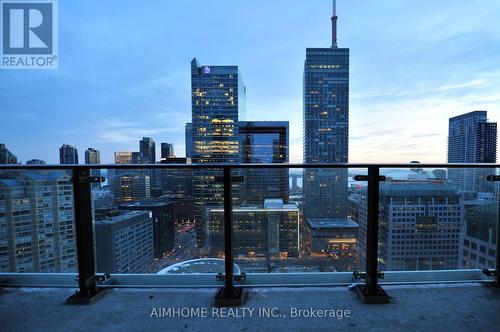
x=229, y=295
x=82, y=198
x=371, y=292
x=496, y=272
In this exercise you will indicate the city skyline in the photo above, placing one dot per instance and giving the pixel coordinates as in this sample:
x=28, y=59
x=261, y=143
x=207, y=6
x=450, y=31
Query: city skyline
x=432, y=71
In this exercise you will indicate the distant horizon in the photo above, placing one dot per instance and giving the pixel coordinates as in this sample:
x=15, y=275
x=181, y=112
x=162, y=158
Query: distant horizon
x=414, y=64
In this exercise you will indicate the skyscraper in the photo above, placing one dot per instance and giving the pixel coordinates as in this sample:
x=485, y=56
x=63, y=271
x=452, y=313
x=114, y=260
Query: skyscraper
x=265, y=142
x=218, y=102
x=92, y=156
x=37, y=220
x=147, y=148
x=167, y=150
x=68, y=154
x=189, y=140
x=7, y=157
x=471, y=139
x=326, y=128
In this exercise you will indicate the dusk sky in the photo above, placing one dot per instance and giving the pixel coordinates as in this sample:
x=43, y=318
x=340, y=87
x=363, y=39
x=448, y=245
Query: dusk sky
x=124, y=72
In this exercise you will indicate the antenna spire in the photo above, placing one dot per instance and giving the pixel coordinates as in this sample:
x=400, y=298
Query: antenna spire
x=334, y=25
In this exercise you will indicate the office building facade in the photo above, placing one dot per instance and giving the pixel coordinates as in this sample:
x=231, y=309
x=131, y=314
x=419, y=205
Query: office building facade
x=271, y=229
x=124, y=243
x=264, y=142
x=176, y=182
x=421, y=226
x=479, y=243
x=326, y=128
x=163, y=218
x=218, y=103
x=189, y=140
x=131, y=187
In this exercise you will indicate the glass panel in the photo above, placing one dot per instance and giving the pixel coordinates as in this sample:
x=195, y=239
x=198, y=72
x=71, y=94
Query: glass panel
x=283, y=223
x=154, y=221
x=437, y=219
x=37, y=227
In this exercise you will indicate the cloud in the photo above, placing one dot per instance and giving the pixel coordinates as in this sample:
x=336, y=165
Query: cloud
x=121, y=131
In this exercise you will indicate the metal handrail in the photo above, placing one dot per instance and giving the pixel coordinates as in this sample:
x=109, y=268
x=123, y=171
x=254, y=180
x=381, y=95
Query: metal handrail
x=245, y=165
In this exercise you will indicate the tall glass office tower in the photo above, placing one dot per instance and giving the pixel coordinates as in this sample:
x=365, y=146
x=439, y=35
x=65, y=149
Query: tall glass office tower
x=218, y=103
x=326, y=128
x=147, y=147
x=265, y=142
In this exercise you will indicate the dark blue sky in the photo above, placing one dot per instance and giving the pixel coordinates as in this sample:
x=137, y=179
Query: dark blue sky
x=124, y=72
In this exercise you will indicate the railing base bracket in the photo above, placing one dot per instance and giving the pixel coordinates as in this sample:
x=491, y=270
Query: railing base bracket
x=78, y=298
x=495, y=286
x=380, y=298
x=230, y=298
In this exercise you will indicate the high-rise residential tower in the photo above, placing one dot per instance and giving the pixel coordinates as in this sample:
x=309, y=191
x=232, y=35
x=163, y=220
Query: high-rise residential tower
x=124, y=243
x=7, y=157
x=68, y=154
x=218, y=103
x=37, y=222
x=471, y=139
x=92, y=156
x=326, y=128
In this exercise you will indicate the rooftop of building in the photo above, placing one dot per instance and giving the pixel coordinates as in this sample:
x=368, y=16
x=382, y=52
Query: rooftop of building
x=418, y=188
x=331, y=223
x=150, y=202
x=440, y=307
x=267, y=123
x=36, y=176
x=122, y=217
x=274, y=204
x=482, y=114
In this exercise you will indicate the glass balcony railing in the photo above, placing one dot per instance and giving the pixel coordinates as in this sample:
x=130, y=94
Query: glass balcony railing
x=241, y=225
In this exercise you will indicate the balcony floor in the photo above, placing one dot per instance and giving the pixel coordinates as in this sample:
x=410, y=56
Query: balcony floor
x=458, y=307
